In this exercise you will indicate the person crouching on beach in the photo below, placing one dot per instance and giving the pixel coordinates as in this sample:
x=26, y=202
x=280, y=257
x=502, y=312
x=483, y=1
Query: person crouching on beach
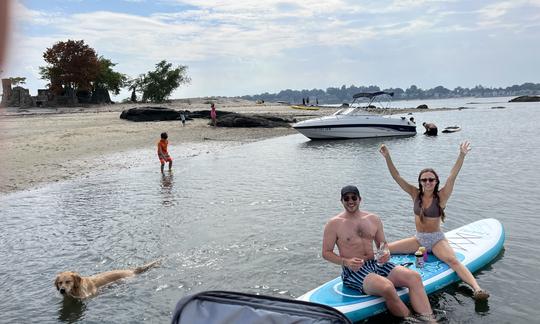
x=162, y=152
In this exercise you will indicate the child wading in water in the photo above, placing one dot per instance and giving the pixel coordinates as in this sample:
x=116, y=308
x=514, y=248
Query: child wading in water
x=162, y=152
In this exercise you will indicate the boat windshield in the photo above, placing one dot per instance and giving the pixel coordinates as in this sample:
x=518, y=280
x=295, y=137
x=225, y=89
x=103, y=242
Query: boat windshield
x=351, y=111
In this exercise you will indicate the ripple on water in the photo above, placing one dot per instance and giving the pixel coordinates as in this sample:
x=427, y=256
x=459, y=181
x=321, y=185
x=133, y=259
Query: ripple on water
x=250, y=219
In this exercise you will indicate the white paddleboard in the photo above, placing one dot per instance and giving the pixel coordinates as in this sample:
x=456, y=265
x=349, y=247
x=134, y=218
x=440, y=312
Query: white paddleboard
x=476, y=244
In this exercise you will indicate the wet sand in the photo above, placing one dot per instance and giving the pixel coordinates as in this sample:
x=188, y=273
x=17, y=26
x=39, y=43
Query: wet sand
x=44, y=145
x=40, y=146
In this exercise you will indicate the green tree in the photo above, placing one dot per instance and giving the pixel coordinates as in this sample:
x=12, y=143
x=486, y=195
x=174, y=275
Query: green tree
x=158, y=85
x=135, y=85
x=17, y=81
x=107, y=78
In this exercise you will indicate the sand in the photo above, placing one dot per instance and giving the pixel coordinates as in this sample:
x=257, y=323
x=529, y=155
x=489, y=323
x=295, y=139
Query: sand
x=40, y=146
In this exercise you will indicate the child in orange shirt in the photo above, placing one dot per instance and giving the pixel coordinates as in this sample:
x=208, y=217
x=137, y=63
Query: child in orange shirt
x=162, y=152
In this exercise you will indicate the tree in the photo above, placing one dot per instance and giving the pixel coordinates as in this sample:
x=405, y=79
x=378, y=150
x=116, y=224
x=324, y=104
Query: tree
x=107, y=78
x=17, y=80
x=71, y=65
x=135, y=85
x=158, y=85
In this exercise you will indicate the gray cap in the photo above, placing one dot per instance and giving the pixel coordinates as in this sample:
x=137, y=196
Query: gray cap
x=349, y=189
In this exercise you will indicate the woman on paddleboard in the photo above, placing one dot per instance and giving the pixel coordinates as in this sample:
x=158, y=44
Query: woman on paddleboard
x=428, y=204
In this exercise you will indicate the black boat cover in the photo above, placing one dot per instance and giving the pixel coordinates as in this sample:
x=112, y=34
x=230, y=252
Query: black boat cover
x=221, y=307
x=371, y=95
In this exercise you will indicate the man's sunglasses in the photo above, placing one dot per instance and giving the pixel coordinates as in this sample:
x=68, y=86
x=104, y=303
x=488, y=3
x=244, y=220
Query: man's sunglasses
x=347, y=198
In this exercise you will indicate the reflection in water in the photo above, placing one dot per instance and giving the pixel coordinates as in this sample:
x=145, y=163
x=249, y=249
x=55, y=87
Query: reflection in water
x=166, y=189
x=71, y=310
x=481, y=306
x=274, y=198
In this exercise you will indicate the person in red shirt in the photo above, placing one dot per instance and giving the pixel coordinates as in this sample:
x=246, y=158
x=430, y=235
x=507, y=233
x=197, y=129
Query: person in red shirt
x=162, y=152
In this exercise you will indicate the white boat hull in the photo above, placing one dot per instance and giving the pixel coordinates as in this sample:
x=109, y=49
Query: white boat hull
x=333, y=127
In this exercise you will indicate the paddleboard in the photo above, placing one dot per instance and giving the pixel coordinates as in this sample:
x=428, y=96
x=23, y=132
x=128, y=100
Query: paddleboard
x=451, y=129
x=475, y=245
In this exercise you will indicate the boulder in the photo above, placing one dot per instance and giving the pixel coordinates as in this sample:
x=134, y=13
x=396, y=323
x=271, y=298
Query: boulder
x=239, y=120
x=422, y=106
x=526, y=99
x=139, y=114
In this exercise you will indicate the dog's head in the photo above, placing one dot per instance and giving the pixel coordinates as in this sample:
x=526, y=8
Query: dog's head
x=68, y=283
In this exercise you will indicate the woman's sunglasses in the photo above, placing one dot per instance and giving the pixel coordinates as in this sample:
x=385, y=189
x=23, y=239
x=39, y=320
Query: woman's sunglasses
x=347, y=198
x=424, y=180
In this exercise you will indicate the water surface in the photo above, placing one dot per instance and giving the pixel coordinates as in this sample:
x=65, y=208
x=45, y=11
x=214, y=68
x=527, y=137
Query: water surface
x=250, y=219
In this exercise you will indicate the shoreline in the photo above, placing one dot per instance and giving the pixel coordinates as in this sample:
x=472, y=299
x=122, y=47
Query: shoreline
x=47, y=145
x=39, y=150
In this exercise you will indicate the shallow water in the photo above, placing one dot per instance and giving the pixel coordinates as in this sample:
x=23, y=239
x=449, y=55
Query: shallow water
x=250, y=219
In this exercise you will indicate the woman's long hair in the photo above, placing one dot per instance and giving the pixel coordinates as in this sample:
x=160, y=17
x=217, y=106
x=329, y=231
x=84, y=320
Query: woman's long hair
x=435, y=194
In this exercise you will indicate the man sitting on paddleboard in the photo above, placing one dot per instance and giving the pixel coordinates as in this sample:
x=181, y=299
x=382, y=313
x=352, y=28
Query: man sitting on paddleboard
x=354, y=231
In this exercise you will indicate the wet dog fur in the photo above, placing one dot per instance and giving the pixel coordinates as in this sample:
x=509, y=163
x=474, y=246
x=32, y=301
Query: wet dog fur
x=72, y=284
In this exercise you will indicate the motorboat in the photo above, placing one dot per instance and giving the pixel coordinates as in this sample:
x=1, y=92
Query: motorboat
x=355, y=121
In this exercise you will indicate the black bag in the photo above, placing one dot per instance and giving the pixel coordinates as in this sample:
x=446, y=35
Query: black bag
x=224, y=307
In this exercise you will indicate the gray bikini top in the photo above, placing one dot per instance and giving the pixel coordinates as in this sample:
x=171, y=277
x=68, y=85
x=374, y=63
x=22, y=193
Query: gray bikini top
x=433, y=210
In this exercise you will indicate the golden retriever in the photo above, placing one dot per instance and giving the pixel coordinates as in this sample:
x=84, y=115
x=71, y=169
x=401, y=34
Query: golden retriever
x=70, y=283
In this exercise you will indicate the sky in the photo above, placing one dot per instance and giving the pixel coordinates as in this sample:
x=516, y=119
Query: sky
x=247, y=47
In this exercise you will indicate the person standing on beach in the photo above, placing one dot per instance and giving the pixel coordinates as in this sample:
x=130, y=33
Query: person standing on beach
x=183, y=119
x=354, y=231
x=429, y=203
x=163, y=153
x=213, y=114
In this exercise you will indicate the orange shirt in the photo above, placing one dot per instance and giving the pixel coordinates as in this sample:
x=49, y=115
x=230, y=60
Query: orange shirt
x=163, y=145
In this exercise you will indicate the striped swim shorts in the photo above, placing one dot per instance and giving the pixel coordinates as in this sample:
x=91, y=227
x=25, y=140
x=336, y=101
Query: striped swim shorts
x=355, y=279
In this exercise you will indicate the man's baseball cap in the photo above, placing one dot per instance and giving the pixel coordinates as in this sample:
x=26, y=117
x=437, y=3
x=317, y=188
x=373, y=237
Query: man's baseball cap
x=349, y=189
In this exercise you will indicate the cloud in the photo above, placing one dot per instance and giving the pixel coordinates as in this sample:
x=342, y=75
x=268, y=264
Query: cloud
x=271, y=38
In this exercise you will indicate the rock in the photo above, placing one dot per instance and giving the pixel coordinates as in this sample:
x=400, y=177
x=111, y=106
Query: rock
x=422, y=106
x=206, y=113
x=150, y=114
x=232, y=119
x=239, y=120
x=526, y=99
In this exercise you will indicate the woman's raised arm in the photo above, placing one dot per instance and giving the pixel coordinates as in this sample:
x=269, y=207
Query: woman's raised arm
x=446, y=191
x=407, y=187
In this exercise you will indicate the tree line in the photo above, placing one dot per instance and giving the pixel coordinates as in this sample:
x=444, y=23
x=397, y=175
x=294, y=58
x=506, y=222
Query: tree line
x=75, y=70
x=344, y=94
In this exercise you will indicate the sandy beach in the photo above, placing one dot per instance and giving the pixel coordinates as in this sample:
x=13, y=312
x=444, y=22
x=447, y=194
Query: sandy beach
x=41, y=145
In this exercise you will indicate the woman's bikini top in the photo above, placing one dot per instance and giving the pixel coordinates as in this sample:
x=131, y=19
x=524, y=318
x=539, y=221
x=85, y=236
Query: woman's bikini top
x=432, y=211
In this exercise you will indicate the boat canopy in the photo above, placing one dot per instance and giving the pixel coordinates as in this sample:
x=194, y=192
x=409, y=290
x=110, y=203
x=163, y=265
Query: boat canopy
x=372, y=95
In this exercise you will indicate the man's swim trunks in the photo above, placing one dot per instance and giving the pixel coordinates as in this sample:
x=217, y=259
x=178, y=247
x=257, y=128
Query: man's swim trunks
x=355, y=280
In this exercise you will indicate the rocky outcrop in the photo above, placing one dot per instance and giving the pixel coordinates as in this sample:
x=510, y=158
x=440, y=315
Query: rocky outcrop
x=240, y=120
x=140, y=114
x=526, y=99
x=224, y=118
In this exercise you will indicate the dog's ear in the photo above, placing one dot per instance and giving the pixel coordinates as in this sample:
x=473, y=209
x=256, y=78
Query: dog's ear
x=76, y=282
x=56, y=283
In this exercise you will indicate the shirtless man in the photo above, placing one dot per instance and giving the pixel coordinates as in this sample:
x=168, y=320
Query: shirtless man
x=353, y=231
x=431, y=129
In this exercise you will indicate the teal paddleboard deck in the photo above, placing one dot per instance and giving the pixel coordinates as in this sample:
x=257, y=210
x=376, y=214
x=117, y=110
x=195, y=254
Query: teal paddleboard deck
x=476, y=244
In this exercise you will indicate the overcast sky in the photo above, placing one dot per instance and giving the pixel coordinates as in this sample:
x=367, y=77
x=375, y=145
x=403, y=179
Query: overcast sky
x=239, y=47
